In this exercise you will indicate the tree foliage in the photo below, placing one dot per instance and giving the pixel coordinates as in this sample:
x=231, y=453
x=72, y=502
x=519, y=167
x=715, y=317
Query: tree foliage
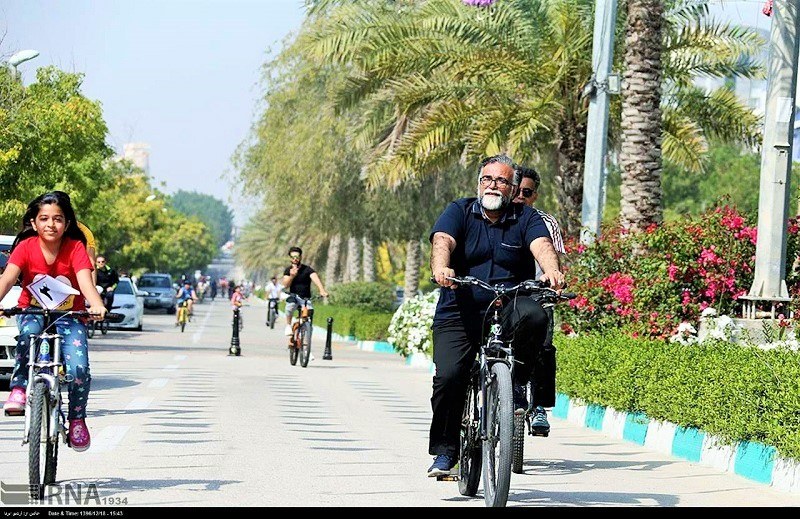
x=208, y=209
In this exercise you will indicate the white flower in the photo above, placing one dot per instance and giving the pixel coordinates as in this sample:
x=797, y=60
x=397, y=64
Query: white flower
x=685, y=327
x=708, y=312
x=724, y=321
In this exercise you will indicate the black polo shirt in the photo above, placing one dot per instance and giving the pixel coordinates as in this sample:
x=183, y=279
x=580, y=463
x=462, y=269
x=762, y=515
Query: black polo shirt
x=497, y=253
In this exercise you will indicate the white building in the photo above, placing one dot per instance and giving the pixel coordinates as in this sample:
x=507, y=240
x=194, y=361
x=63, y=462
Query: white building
x=138, y=153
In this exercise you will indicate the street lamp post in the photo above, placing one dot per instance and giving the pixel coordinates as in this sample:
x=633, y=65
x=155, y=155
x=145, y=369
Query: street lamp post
x=21, y=57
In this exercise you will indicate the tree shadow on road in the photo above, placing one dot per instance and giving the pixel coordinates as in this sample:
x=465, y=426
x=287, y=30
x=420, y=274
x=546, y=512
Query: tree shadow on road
x=561, y=467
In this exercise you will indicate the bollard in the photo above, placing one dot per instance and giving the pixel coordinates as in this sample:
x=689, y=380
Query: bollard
x=235, y=349
x=328, y=355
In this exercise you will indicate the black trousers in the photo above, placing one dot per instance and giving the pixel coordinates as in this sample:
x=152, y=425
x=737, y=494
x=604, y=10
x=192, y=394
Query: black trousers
x=455, y=346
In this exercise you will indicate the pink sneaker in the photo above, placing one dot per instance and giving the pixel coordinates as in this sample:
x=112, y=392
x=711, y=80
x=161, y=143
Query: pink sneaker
x=79, y=438
x=15, y=405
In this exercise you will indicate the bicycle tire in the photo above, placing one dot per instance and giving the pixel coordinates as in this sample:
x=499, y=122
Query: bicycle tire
x=294, y=351
x=51, y=454
x=273, y=315
x=104, y=327
x=305, y=345
x=91, y=329
x=36, y=459
x=518, y=448
x=497, y=446
x=183, y=326
x=469, y=456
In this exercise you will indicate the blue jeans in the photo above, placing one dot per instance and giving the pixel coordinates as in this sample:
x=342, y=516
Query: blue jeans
x=74, y=351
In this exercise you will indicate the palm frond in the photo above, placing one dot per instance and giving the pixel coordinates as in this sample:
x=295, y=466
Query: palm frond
x=683, y=142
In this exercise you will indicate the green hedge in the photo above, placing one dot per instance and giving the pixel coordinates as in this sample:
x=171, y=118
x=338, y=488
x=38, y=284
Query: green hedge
x=369, y=296
x=734, y=392
x=367, y=326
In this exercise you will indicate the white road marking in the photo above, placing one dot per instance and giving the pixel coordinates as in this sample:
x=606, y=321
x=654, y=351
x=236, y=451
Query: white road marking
x=171, y=367
x=179, y=357
x=142, y=402
x=157, y=383
x=199, y=333
x=108, y=438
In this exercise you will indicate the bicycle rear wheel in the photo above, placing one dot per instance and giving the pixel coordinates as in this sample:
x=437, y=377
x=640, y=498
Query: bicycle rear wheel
x=500, y=428
x=305, y=344
x=294, y=349
x=38, y=433
x=104, y=327
x=469, y=457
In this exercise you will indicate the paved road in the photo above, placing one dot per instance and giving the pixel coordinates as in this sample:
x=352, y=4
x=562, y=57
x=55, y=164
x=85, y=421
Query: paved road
x=175, y=421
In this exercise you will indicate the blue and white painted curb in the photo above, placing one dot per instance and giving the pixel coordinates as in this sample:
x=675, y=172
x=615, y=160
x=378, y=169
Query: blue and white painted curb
x=752, y=460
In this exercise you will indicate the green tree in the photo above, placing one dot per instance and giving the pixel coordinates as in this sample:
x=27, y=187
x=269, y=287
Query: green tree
x=51, y=137
x=438, y=82
x=210, y=210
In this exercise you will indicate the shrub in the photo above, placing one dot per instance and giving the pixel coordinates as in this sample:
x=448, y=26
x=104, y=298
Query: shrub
x=374, y=297
x=410, y=330
x=650, y=282
x=368, y=326
x=732, y=391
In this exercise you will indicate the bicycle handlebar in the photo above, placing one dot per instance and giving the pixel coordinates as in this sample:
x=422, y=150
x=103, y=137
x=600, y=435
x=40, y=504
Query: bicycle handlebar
x=531, y=285
x=110, y=316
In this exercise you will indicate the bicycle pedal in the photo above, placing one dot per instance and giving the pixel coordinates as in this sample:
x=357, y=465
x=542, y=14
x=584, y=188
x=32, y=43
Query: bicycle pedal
x=543, y=434
x=15, y=413
x=447, y=477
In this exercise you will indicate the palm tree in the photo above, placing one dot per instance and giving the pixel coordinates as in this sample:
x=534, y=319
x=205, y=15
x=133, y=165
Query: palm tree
x=438, y=82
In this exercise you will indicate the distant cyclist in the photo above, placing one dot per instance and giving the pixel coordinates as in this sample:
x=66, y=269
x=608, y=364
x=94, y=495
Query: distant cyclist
x=185, y=294
x=298, y=278
x=274, y=292
x=107, y=279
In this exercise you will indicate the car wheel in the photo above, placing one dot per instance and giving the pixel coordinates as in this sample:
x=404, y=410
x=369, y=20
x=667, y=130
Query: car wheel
x=139, y=328
x=171, y=311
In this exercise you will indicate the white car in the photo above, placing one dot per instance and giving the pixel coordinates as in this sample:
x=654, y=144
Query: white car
x=8, y=325
x=128, y=301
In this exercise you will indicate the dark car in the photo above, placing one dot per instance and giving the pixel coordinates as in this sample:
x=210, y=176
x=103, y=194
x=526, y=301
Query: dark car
x=160, y=292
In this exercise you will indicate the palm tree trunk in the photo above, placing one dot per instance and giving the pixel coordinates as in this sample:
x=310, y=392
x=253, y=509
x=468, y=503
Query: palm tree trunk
x=351, y=267
x=333, y=259
x=640, y=153
x=413, y=263
x=571, y=154
x=369, y=259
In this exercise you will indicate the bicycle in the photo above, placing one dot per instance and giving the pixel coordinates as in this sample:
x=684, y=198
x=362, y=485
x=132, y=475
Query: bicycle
x=300, y=342
x=183, y=314
x=45, y=422
x=272, y=312
x=487, y=447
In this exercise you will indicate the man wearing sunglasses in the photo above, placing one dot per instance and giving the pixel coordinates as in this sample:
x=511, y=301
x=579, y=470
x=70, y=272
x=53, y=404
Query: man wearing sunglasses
x=298, y=278
x=543, y=378
x=494, y=240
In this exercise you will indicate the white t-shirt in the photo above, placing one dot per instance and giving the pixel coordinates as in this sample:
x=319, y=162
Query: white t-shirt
x=274, y=291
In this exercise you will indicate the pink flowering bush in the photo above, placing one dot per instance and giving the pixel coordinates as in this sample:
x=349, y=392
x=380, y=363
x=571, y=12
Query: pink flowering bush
x=648, y=283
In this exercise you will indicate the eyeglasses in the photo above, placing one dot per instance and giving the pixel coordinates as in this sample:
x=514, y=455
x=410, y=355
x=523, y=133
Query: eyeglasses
x=294, y=255
x=527, y=192
x=486, y=181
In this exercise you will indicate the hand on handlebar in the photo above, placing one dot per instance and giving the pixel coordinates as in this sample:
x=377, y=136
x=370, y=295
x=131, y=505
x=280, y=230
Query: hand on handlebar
x=99, y=313
x=555, y=279
x=440, y=275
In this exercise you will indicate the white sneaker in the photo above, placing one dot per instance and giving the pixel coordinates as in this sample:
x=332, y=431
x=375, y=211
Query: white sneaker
x=288, y=331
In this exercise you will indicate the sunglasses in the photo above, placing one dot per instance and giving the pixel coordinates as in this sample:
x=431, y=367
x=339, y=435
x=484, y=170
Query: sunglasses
x=294, y=255
x=527, y=192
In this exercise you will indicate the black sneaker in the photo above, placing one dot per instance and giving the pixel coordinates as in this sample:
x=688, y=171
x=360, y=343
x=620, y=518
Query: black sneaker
x=520, y=397
x=539, y=424
x=442, y=465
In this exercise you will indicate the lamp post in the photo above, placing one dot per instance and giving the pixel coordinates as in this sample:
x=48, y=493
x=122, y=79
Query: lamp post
x=21, y=57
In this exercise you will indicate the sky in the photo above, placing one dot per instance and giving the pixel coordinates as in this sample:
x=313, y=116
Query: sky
x=179, y=75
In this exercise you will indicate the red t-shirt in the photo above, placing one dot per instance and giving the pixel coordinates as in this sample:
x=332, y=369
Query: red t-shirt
x=71, y=258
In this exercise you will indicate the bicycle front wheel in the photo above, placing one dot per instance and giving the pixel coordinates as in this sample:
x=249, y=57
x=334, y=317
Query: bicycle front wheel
x=38, y=434
x=273, y=315
x=497, y=447
x=90, y=329
x=305, y=344
x=469, y=458
x=294, y=347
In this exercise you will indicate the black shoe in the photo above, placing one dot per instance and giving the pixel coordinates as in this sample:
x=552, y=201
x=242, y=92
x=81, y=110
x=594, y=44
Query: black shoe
x=442, y=465
x=520, y=397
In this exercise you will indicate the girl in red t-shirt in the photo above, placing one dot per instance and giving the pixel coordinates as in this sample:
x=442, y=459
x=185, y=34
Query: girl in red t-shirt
x=52, y=244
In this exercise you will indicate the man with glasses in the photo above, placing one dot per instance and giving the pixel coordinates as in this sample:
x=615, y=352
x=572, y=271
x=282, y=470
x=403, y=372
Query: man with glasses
x=494, y=240
x=107, y=279
x=543, y=378
x=298, y=278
